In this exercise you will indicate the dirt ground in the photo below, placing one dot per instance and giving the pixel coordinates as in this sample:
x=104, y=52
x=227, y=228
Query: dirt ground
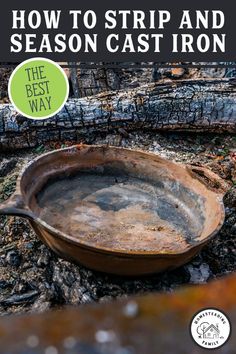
x=34, y=279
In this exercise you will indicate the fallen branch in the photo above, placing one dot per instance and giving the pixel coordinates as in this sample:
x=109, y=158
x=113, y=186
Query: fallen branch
x=192, y=105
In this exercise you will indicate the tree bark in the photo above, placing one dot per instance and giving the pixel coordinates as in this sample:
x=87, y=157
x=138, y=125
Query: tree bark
x=192, y=105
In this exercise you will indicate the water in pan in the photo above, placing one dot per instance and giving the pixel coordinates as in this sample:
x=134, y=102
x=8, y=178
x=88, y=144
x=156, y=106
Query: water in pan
x=121, y=213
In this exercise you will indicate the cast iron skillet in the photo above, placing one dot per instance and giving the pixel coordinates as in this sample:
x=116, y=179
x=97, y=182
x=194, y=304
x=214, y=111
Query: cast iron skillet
x=117, y=210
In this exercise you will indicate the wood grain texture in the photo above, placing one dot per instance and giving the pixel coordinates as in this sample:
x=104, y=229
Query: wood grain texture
x=184, y=105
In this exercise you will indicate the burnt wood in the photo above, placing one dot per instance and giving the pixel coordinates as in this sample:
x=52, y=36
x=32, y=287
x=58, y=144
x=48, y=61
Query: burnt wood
x=181, y=105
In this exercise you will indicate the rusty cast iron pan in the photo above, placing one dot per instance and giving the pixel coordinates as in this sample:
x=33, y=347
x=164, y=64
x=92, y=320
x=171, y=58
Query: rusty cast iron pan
x=119, y=211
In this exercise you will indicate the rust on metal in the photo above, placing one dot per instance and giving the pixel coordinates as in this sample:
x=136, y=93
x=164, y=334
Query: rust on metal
x=151, y=324
x=117, y=210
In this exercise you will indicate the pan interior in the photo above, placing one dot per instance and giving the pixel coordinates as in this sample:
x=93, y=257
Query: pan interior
x=122, y=212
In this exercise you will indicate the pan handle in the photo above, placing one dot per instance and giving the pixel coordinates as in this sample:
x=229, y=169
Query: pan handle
x=209, y=178
x=15, y=206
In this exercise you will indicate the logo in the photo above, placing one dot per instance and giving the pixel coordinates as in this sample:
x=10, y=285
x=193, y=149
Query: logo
x=210, y=328
x=38, y=88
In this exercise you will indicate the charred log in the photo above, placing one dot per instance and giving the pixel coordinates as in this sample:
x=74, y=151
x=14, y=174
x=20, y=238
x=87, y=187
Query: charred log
x=193, y=105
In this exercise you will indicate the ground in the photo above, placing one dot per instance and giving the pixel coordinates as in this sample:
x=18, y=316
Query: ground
x=34, y=279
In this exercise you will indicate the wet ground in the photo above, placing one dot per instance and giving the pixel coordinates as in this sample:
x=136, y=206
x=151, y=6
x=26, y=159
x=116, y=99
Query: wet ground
x=33, y=279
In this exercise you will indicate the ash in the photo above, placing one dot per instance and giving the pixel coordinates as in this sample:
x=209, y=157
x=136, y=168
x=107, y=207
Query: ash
x=34, y=279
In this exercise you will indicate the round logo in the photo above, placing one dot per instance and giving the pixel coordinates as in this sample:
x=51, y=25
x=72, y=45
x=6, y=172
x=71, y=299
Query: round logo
x=38, y=88
x=210, y=328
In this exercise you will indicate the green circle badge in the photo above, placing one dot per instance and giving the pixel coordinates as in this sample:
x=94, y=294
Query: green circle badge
x=38, y=88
